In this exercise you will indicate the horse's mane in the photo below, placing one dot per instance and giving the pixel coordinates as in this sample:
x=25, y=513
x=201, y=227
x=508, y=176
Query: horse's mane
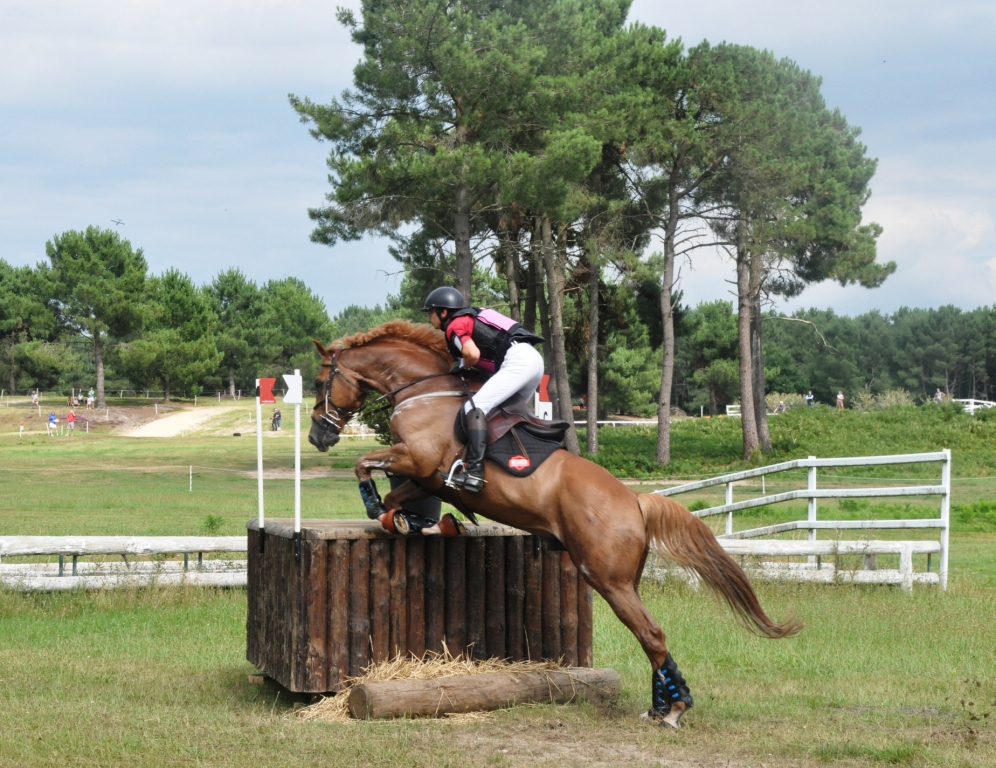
x=401, y=330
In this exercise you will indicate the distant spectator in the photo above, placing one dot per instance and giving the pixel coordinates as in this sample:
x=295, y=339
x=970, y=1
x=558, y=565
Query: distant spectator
x=275, y=420
x=71, y=421
x=840, y=400
x=938, y=396
x=34, y=397
x=809, y=399
x=89, y=402
x=781, y=407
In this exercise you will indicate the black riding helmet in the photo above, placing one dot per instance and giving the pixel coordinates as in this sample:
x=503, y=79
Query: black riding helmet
x=444, y=298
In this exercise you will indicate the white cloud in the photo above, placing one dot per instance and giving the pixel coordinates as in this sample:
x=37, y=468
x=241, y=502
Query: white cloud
x=62, y=48
x=165, y=114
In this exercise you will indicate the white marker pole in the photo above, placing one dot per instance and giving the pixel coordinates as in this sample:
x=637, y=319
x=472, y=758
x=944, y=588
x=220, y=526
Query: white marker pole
x=259, y=458
x=294, y=396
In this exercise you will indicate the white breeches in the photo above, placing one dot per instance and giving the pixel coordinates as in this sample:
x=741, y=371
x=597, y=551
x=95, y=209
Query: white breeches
x=519, y=374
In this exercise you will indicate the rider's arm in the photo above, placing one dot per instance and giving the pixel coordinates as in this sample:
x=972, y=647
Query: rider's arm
x=470, y=353
x=461, y=330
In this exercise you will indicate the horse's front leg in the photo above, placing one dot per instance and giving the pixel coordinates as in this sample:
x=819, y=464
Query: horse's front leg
x=395, y=459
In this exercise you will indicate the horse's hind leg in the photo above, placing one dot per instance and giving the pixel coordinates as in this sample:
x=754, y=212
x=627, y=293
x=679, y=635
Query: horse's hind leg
x=670, y=697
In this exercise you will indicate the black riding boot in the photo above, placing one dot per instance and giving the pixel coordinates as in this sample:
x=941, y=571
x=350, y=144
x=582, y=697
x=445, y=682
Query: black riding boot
x=472, y=477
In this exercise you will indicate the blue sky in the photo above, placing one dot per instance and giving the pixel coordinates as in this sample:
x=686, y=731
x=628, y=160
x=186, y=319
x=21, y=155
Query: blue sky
x=174, y=118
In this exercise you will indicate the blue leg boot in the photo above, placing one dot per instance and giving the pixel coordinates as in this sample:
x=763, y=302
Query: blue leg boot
x=668, y=687
x=371, y=499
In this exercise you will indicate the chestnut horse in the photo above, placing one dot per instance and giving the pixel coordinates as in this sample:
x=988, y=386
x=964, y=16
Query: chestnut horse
x=606, y=527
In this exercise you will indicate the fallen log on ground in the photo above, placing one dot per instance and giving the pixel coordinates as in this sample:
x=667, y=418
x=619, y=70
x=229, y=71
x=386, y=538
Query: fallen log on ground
x=478, y=693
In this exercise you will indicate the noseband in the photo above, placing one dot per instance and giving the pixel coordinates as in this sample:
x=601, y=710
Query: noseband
x=335, y=417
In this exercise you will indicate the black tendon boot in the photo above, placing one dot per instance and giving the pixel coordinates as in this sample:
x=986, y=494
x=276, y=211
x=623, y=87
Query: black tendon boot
x=371, y=499
x=471, y=478
x=667, y=687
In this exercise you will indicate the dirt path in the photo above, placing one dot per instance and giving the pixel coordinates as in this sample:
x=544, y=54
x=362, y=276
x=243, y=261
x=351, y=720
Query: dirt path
x=176, y=423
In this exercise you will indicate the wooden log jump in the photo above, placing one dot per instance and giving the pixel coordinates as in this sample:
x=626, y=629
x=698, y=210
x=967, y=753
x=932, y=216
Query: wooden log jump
x=478, y=693
x=359, y=594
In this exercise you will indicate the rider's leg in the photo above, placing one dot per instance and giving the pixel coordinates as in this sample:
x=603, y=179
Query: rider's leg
x=520, y=373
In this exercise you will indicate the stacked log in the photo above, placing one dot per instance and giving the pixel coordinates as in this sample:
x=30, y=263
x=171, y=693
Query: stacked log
x=359, y=595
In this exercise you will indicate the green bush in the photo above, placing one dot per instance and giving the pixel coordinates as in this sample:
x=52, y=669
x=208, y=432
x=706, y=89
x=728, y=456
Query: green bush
x=986, y=414
x=980, y=516
x=791, y=400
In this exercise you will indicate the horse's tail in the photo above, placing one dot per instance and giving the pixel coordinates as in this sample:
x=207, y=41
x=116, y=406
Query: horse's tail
x=675, y=533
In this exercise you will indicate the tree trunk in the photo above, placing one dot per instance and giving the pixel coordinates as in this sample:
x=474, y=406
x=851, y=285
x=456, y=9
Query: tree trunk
x=544, y=308
x=13, y=373
x=748, y=422
x=165, y=391
x=555, y=281
x=529, y=316
x=712, y=401
x=98, y=356
x=757, y=356
x=461, y=241
x=512, y=278
x=231, y=381
x=667, y=317
x=592, y=404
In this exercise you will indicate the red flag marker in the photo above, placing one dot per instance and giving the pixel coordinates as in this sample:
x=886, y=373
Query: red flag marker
x=266, y=391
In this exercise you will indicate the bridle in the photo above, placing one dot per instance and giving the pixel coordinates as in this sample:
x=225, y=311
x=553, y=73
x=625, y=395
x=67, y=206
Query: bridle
x=335, y=417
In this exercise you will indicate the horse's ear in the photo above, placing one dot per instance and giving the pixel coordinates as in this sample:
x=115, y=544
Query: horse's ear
x=321, y=350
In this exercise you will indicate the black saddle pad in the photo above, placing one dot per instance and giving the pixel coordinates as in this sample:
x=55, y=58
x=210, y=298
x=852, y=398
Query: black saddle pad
x=519, y=453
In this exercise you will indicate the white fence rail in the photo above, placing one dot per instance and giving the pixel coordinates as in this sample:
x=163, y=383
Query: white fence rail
x=735, y=541
x=972, y=405
x=104, y=575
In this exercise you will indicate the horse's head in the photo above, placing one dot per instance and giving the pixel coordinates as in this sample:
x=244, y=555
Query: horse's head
x=338, y=396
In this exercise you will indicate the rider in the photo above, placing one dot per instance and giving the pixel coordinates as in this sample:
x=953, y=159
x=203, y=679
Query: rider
x=497, y=345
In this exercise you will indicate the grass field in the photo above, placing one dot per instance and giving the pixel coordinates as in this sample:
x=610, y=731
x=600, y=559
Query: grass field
x=158, y=677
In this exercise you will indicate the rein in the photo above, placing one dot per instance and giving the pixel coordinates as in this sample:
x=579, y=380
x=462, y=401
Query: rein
x=336, y=419
x=413, y=383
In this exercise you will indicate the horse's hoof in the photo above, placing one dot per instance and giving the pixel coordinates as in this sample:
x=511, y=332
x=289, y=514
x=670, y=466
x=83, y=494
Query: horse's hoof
x=392, y=522
x=672, y=719
x=450, y=526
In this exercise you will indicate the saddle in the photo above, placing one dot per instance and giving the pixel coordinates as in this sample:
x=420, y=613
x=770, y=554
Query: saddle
x=518, y=441
x=515, y=412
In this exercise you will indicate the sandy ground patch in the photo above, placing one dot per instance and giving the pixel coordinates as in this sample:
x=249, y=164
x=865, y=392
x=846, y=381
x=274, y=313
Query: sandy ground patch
x=176, y=424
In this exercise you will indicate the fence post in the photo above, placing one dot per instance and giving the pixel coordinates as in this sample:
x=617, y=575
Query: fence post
x=729, y=515
x=906, y=568
x=811, y=485
x=942, y=569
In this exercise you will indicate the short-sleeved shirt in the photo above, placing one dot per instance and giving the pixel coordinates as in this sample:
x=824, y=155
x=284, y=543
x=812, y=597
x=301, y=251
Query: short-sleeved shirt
x=71, y=418
x=460, y=330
